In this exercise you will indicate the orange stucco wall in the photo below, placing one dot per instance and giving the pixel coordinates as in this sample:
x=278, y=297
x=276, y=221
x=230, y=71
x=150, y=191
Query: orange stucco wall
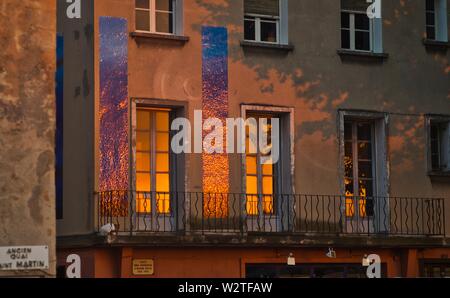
x=230, y=262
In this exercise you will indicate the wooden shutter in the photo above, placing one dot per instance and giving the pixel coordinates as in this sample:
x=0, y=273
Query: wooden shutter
x=263, y=7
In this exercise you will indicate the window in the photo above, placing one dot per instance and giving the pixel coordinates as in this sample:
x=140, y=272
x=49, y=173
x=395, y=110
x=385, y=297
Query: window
x=152, y=161
x=157, y=16
x=359, y=167
x=430, y=19
x=358, y=32
x=435, y=268
x=439, y=145
x=260, y=178
x=436, y=20
x=265, y=21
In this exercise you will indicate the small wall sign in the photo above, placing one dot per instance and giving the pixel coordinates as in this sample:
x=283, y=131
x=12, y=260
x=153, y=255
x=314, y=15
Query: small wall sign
x=143, y=267
x=24, y=258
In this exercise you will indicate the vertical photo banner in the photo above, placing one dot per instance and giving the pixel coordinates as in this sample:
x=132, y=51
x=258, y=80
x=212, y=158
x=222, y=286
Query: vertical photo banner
x=215, y=105
x=59, y=125
x=113, y=112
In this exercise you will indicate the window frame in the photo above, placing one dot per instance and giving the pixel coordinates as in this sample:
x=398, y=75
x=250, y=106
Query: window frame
x=440, y=21
x=353, y=30
x=153, y=195
x=443, y=120
x=258, y=19
x=152, y=15
x=282, y=21
x=287, y=160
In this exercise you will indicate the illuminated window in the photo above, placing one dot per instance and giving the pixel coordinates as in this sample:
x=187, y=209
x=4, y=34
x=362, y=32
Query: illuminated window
x=152, y=161
x=260, y=178
x=156, y=16
x=359, y=167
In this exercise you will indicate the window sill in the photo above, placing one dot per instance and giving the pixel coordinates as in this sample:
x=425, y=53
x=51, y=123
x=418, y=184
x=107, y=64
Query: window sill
x=438, y=174
x=435, y=44
x=158, y=36
x=263, y=45
x=360, y=54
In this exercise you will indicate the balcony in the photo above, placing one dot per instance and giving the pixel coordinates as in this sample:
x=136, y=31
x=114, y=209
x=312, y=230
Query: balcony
x=235, y=218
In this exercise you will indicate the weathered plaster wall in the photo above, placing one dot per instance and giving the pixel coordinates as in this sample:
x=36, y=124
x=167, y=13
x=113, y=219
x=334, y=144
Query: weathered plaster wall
x=27, y=124
x=313, y=79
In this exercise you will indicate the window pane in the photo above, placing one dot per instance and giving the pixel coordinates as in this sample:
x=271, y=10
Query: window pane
x=267, y=186
x=142, y=4
x=362, y=22
x=362, y=41
x=162, y=141
x=164, y=22
x=348, y=160
x=162, y=121
x=143, y=120
x=345, y=20
x=345, y=39
x=143, y=162
x=143, y=203
x=142, y=141
x=430, y=4
x=431, y=32
x=268, y=31
x=143, y=182
x=364, y=150
x=430, y=18
x=249, y=30
x=165, y=5
x=349, y=187
x=267, y=169
x=365, y=188
x=163, y=203
x=252, y=205
x=162, y=182
x=348, y=131
x=162, y=162
x=365, y=169
x=268, y=204
x=251, y=165
x=252, y=186
x=364, y=132
x=142, y=20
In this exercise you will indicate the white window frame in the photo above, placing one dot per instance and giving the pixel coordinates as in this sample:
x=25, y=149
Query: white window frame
x=353, y=30
x=282, y=24
x=258, y=20
x=177, y=17
x=440, y=20
x=444, y=144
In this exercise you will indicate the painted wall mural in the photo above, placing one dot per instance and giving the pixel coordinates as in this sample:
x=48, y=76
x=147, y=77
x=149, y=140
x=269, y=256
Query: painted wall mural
x=113, y=110
x=215, y=104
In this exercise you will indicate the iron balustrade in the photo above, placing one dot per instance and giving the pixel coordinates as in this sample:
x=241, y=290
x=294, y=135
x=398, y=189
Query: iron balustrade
x=215, y=213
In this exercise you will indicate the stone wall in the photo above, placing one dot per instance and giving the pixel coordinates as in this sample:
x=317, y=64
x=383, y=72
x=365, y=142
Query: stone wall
x=27, y=125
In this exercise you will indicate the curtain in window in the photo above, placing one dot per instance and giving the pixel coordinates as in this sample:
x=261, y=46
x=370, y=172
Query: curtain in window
x=263, y=7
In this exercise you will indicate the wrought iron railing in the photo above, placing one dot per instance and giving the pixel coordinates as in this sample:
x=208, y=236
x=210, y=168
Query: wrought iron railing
x=206, y=213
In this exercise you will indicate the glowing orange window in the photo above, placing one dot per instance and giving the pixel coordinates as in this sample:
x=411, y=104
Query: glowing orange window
x=359, y=167
x=152, y=161
x=260, y=178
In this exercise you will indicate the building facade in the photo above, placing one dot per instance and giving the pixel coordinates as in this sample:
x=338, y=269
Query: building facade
x=27, y=134
x=361, y=107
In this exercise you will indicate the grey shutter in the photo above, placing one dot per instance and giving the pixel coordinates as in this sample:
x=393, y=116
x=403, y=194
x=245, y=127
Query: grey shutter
x=263, y=7
x=357, y=5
